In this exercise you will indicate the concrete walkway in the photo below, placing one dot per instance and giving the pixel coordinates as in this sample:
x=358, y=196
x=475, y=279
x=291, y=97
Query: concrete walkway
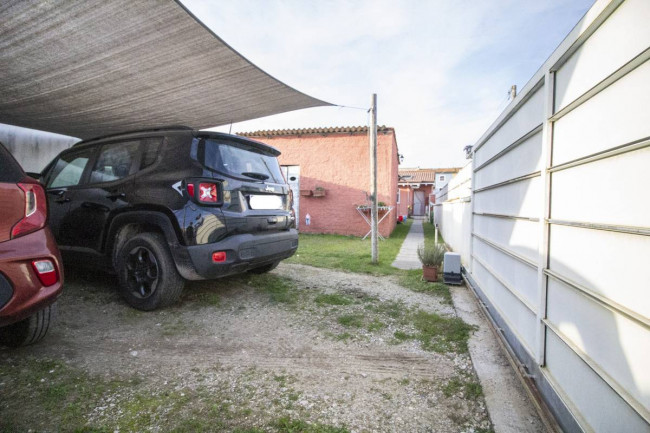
x=510, y=408
x=408, y=255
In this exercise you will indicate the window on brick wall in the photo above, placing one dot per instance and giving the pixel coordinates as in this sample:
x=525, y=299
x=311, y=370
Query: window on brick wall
x=397, y=195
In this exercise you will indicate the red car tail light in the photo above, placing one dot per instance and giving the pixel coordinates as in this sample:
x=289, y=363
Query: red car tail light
x=35, y=210
x=46, y=271
x=204, y=191
x=208, y=193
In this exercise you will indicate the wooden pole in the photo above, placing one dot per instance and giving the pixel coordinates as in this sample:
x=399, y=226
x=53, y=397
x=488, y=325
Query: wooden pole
x=373, y=179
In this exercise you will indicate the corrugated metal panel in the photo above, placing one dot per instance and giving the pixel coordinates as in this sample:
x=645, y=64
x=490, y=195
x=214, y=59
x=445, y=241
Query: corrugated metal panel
x=590, y=259
x=620, y=112
x=610, y=191
x=525, y=119
x=615, y=42
x=579, y=386
x=520, y=161
x=515, y=199
x=561, y=220
x=518, y=235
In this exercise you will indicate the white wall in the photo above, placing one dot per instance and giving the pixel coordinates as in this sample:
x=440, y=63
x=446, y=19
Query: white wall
x=453, y=213
x=560, y=229
x=33, y=149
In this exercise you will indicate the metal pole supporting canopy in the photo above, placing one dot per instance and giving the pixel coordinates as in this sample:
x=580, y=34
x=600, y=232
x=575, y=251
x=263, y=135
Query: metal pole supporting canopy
x=98, y=67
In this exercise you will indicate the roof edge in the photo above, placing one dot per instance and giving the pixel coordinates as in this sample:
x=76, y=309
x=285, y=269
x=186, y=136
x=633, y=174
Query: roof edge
x=316, y=131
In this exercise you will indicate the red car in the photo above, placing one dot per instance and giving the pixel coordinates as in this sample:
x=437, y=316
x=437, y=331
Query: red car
x=31, y=276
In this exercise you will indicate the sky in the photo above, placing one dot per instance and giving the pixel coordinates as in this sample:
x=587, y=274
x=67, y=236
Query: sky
x=441, y=69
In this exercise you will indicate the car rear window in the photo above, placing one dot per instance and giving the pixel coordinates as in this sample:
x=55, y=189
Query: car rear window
x=10, y=170
x=237, y=159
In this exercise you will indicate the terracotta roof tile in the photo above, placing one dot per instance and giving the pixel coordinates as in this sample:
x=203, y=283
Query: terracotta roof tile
x=313, y=131
x=423, y=175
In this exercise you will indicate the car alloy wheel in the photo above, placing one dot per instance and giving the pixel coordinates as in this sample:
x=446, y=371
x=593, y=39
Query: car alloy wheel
x=142, y=272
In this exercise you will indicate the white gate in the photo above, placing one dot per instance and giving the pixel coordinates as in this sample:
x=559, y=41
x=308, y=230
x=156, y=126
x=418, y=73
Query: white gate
x=561, y=222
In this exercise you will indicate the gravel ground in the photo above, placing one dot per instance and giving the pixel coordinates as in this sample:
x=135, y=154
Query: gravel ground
x=263, y=357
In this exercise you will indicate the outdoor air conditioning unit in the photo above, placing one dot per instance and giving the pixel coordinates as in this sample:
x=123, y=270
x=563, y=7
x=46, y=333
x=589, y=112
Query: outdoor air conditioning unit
x=451, y=269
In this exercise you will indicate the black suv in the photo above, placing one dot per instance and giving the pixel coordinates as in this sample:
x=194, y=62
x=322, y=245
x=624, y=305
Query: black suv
x=167, y=205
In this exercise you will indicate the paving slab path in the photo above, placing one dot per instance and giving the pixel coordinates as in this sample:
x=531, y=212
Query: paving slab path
x=408, y=255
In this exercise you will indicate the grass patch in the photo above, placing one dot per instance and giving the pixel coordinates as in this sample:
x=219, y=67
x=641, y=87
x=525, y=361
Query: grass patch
x=332, y=299
x=287, y=425
x=49, y=395
x=470, y=390
x=403, y=336
x=412, y=279
x=205, y=298
x=350, y=253
x=353, y=254
x=442, y=334
x=176, y=327
x=375, y=325
x=473, y=390
x=435, y=332
x=344, y=337
x=430, y=233
x=280, y=290
x=351, y=320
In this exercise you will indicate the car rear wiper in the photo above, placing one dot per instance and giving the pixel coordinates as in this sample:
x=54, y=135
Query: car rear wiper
x=255, y=175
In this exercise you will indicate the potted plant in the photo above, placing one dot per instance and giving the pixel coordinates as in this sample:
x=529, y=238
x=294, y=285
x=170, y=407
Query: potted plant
x=431, y=257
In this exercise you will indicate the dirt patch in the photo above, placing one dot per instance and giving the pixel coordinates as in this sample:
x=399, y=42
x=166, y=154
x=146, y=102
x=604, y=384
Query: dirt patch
x=331, y=349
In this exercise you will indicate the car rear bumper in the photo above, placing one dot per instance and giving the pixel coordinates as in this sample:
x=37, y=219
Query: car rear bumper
x=21, y=292
x=243, y=252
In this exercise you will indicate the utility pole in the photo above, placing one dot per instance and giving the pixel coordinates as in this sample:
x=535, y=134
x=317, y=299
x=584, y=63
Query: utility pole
x=373, y=179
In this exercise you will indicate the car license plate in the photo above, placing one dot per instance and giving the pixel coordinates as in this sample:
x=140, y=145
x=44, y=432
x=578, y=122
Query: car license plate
x=265, y=201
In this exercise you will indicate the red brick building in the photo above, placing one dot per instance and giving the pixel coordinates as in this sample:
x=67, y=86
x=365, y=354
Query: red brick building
x=330, y=167
x=418, y=186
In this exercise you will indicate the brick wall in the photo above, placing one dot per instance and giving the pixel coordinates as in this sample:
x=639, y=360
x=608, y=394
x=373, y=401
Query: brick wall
x=340, y=163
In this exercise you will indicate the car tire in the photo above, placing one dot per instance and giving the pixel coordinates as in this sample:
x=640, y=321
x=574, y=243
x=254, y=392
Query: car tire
x=147, y=273
x=29, y=330
x=264, y=269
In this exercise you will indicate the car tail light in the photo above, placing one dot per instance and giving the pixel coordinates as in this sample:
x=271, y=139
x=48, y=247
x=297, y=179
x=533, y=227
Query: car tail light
x=204, y=191
x=35, y=210
x=219, y=256
x=207, y=193
x=46, y=271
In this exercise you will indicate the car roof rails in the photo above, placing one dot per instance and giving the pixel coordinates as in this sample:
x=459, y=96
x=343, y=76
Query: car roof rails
x=136, y=131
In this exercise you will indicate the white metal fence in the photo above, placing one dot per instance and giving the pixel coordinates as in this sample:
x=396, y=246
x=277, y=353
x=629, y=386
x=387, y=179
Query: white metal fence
x=560, y=230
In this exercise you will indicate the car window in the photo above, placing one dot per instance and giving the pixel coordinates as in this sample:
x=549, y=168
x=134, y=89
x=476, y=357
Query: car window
x=115, y=161
x=237, y=160
x=67, y=170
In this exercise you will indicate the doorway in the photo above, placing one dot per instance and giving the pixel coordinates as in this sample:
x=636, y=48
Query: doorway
x=418, y=203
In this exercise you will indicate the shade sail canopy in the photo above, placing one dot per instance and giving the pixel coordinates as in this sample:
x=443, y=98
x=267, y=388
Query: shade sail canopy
x=98, y=67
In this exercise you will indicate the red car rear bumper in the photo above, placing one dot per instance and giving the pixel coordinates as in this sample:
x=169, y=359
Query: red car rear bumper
x=27, y=293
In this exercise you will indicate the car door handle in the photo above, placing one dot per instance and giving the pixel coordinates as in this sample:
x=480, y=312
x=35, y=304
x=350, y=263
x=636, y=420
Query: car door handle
x=116, y=195
x=62, y=200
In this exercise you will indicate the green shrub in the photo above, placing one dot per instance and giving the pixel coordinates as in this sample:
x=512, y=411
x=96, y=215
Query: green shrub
x=431, y=254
